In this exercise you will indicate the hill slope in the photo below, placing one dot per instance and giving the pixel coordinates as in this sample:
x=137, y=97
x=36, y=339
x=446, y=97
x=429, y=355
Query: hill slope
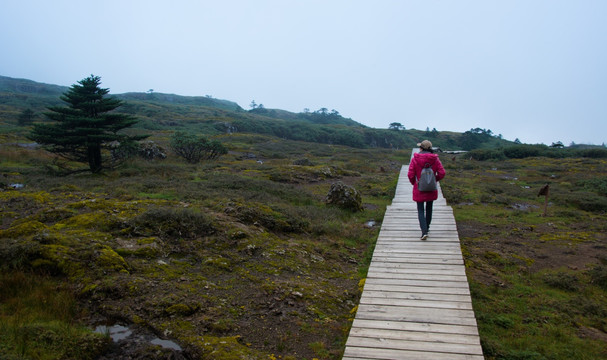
x=212, y=117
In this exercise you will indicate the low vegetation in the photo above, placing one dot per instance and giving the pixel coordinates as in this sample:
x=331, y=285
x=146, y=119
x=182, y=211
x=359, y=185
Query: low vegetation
x=537, y=282
x=237, y=257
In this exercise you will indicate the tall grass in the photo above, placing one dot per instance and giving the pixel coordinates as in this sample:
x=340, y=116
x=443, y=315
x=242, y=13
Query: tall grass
x=38, y=321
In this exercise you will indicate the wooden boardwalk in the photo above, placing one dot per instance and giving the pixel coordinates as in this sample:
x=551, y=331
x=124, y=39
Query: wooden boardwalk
x=416, y=300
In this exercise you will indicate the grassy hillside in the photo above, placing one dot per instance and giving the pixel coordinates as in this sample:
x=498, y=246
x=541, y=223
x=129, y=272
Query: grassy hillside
x=24, y=86
x=211, y=116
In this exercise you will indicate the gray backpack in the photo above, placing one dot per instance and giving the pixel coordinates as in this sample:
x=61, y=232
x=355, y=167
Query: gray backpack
x=427, y=180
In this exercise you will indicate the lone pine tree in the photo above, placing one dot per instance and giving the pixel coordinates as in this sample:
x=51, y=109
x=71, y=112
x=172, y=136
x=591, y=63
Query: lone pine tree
x=82, y=130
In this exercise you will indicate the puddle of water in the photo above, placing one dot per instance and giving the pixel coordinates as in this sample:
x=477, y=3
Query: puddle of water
x=116, y=332
x=120, y=332
x=167, y=344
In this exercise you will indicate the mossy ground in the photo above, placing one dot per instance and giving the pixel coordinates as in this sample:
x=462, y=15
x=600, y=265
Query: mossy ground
x=241, y=258
x=537, y=282
x=235, y=258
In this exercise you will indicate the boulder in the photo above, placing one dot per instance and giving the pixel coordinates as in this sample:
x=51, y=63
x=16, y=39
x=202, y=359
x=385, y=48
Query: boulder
x=149, y=150
x=344, y=196
x=303, y=162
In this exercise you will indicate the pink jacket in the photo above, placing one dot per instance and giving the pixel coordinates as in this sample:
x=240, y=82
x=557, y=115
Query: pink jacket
x=415, y=170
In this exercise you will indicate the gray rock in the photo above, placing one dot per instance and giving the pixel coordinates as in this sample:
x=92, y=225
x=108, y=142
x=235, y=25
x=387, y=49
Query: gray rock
x=344, y=196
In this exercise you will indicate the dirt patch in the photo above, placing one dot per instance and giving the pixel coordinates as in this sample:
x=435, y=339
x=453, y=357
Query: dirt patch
x=592, y=333
x=526, y=246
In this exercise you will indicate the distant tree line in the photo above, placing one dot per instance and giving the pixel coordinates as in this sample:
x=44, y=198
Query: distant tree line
x=474, y=138
x=321, y=116
x=358, y=137
x=521, y=151
x=293, y=130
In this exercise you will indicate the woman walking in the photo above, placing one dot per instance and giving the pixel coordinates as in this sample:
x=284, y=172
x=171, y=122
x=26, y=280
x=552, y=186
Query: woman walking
x=424, y=158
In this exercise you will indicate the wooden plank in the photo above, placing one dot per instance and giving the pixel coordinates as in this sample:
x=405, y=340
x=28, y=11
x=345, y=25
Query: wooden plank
x=421, y=341
x=414, y=234
x=436, y=244
x=415, y=296
x=428, y=285
x=408, y=253
x=394, y=256
x=424, y=277
x=416, y=303
x=418, y=289
x=389, y=256
x=415, y=326
x=419, y=260
x=378, y=268
x=394, y=272
x=438, y=219
x=387, y=279
x=453, y=338
x=435, y=225
x=411, y=250
x=429, y=315
x=440, y=222
x=415, y=238
x=360, y=353
x=377, y=272
x=421, y=246
x=405, y=266
x=412, y=345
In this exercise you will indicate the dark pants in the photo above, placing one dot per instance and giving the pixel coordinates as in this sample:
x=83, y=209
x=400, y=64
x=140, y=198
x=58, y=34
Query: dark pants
x=424, y=219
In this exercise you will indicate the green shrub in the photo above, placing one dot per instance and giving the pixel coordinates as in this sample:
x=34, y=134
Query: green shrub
x=598, y=276
x=269, y=192
x=503, y=321
x=593, y=153
x=582, y=200
x=486, y=154
x=185, y=223
x=454, y=195
x=598, y=185
x=522, y=355
x=522, y=151
x=255, y=213
x=195, y=148
x=17, y=253
x=562, y=280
